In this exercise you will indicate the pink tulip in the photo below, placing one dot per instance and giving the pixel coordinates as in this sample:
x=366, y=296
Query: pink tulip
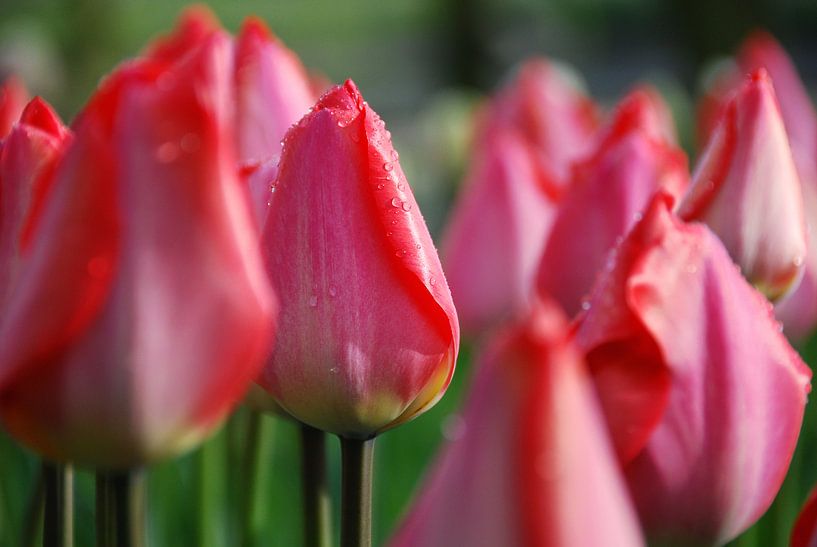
x=551, y=113
x=804, y=533
x=368, y=334
x=746, y=188
x=495, y=236
x=703, y=395
x=530, y=460
x=607, y=194
x=160, y=315
x=13, y=97
x=196, y=25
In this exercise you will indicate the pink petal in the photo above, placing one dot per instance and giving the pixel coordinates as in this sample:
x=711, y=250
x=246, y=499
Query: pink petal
x=530, y=458
x=185, y=319
x=746, y=188
x=606, y=195
x=496, y=232
x=13, y=97
x=368, y=333
x=715, y=461
x=273, y=92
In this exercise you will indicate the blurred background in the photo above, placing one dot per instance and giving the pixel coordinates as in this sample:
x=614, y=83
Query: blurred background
x=423, y=65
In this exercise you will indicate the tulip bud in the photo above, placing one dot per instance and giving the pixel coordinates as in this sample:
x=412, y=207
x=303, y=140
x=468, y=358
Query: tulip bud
x=273, y=92
x=13, y=97
x=495, y=235
x=368, y=334
x=606, y=196
x=516, y=471
x=160, y=316
x=703, y=394
x=746, y=189
x=547, y=107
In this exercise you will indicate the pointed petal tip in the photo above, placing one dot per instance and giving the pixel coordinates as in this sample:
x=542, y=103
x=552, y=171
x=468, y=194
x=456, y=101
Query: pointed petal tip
x=39, y=114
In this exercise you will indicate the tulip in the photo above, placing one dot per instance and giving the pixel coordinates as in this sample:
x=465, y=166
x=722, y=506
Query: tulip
x=160, y=316
x=703, y=395
x=804, y=533
x=13, y=96
x=546, y=106
x=531, y=459
x=746, y=188
x=368, y=334
x=607, y=194
x=495, y=235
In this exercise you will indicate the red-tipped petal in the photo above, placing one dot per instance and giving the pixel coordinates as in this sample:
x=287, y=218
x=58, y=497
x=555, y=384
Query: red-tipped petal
x=746, y=188
x=719, y=453
x=13, y=97
x=368, y=332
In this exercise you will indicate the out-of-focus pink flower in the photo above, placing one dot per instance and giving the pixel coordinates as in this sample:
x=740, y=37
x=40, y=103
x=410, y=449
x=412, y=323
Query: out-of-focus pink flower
x=13, y=97
x=368, y=333
x=703, y=394
x=273, y=92
x=551, y=113
x=746, y=188
x=530, y=459
x=607, y=194
x=496, y=232
x=160, y=315
x=804, y=533
x=195, y=26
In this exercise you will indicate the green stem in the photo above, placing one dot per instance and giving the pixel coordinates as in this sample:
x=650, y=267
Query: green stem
x=316, y=505
x=58, y=512
x=249, y=476
x=34, y=512
x=356, y=492
x=120, y=508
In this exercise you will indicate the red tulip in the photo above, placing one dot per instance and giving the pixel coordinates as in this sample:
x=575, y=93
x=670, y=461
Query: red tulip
x=13, y=97
x=160, y=315
x=368, y=334
x=746, y=188
x=196, y=25
x=531, y=460
x=551, y=113
x=804, y=533
x=607, y=194
x=703, y=395
x=495, y=235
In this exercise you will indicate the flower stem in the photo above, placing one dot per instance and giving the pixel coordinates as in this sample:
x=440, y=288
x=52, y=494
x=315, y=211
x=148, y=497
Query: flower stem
x=120, y=509
x=356, y=492
x=58, y=514
x=316, y=505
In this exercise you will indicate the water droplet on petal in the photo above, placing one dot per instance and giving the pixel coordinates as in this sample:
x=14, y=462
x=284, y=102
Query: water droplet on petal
x=418, y=246
x=388, y=234
x=394, y=155
x=394, y=223
x=333, y=370
x=400, y=253
x=333, y=292
x=388, y=166
x=585, y=305
x=273, y=187
x=167, y=152
x=380, y=186
x=396, y=202
x=313, y=301
x=406, y=206
x=432, y=280
x=400, y=186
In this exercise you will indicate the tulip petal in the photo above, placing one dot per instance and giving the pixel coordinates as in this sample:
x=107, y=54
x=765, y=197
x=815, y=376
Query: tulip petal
x=13, y=97
x=606, y=195
x=496, y=232
x=715, y=461
x=187, y=319
x=746, y=188
x=369, y=334
x=804, y=532
x=530, y=458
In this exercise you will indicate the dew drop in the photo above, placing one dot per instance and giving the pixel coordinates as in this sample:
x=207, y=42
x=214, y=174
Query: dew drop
x=394, y=223
x=406, y=206
x=585, y=305
x=380, y=186
x=333, y=370
x=396, y=202
x=167, y=152
x=418, y=246
x=388, y=166
x=388, y=234
x=400, y=186
x=394, y=155
x=388, y=133
x=273, y=187
x=400, y=253
x=432, y=280
x=313, y=301
x=333, y=292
